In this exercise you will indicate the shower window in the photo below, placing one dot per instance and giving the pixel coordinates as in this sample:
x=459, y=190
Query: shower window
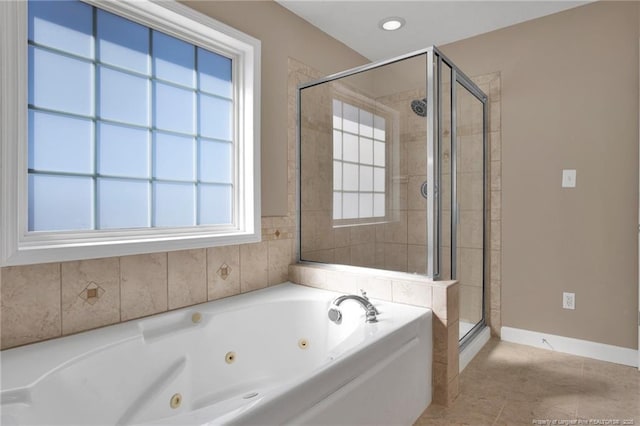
x=359, y=164
x=138, y=134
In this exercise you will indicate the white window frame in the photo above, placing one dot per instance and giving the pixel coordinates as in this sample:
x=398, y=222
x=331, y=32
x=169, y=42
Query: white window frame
x=18, y=246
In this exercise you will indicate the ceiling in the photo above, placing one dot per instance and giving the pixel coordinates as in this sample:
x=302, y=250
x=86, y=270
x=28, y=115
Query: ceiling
x=355, y=23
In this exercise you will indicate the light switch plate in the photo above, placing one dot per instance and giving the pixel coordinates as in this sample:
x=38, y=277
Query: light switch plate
x=568, y=178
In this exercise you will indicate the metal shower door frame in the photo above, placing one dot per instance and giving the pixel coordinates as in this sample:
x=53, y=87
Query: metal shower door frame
x=458, y=77
x=434, y=58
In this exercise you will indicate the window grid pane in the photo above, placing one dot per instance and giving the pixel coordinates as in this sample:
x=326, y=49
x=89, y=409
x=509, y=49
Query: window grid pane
x=358, y=163
x=127, y=158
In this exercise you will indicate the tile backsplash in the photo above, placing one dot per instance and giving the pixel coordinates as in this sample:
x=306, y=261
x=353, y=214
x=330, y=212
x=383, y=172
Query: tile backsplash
x=44, y=301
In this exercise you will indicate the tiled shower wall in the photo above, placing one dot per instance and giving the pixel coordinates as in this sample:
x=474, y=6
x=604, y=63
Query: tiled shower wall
x=399, y=244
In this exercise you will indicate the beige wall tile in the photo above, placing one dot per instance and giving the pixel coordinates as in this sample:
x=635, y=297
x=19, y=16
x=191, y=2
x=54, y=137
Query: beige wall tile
x=395, y=257
x=187, y=272
x=280, y=257
x=496, y=264
x=342, y=255
x=363, y=254
x=362, y=234
x=495, y=321
x=496, y=176
x=395, y=231
x=81, y=311
x=496, y=205
x=453, y=390
x=470, y=229
x=143, y=285
x=254, y=262
x=295, y=273
x=453, y=302
x=439, y=302
x=30, y=304
x=495, y=141
x=495, y=117
x=416, y=227
x=470, y=303
x=470, y=154
x=496, y=234
x=402, y=189
x=417, y=259
x=411, y=293
x=470, y=190
x=470, y=266
x=376, y=288
x=321, y=256
x=342, y=237
x=314, y=277
x=416, y=158
x=453, y=350
x=495, y=290
x=494, y=89
x=440, y=341
x=342, y=282
x=439, y=381
x=223, y=271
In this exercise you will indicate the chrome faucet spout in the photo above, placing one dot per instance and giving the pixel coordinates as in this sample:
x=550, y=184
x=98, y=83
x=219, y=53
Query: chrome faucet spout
x=335, y=314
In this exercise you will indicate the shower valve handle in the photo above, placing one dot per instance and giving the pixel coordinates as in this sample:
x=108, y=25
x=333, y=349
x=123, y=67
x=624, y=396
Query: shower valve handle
x=424, y=189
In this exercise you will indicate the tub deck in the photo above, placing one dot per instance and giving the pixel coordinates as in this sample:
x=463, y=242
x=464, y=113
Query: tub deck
x=266, y=357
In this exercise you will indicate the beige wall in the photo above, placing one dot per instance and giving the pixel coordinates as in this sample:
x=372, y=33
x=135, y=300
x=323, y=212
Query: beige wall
x=569, y=100
x=283, y=35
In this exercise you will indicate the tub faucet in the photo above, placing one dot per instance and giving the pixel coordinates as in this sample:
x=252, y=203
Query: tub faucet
x=335, y=314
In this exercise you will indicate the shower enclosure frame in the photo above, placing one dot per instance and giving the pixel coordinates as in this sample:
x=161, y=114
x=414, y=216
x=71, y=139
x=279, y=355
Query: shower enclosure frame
x=435, y=59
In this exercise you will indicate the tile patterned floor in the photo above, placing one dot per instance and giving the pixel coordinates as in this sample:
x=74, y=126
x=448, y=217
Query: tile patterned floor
x=509, y=384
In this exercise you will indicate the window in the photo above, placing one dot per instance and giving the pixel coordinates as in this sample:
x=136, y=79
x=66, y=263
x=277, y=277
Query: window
x=136, y=130
x=359, y=164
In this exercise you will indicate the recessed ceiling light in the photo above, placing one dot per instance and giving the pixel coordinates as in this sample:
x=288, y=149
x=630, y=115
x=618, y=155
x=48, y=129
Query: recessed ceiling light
x=392, y=23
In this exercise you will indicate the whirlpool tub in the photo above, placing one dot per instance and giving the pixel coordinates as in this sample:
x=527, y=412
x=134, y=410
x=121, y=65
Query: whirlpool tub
x=261, y=358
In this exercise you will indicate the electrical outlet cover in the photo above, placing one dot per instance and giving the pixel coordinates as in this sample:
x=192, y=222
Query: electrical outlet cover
x=568, y=300
x=569, y=178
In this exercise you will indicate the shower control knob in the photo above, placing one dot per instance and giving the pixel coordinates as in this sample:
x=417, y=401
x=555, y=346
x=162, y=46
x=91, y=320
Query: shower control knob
x=423, y=189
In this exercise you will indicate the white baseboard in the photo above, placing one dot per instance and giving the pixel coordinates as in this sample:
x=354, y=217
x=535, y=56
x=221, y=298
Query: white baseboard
x=569, y=345
x=471, y=350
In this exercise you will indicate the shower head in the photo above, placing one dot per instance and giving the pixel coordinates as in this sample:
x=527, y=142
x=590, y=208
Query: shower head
x=419, y=106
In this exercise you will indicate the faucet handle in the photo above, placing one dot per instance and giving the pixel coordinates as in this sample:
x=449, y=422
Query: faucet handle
x=364, y=294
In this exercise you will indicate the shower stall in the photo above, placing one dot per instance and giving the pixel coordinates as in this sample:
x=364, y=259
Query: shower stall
x=393, y=173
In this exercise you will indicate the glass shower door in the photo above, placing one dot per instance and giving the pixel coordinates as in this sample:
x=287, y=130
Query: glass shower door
x=469, y=205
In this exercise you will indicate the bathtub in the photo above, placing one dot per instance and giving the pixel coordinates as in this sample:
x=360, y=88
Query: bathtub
x=261, y=358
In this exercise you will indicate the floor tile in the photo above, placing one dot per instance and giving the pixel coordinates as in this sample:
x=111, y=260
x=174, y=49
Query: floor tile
x=510, y=384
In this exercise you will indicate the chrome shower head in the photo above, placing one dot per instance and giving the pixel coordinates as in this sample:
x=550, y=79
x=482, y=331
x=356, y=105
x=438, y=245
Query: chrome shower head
x=419, y=106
